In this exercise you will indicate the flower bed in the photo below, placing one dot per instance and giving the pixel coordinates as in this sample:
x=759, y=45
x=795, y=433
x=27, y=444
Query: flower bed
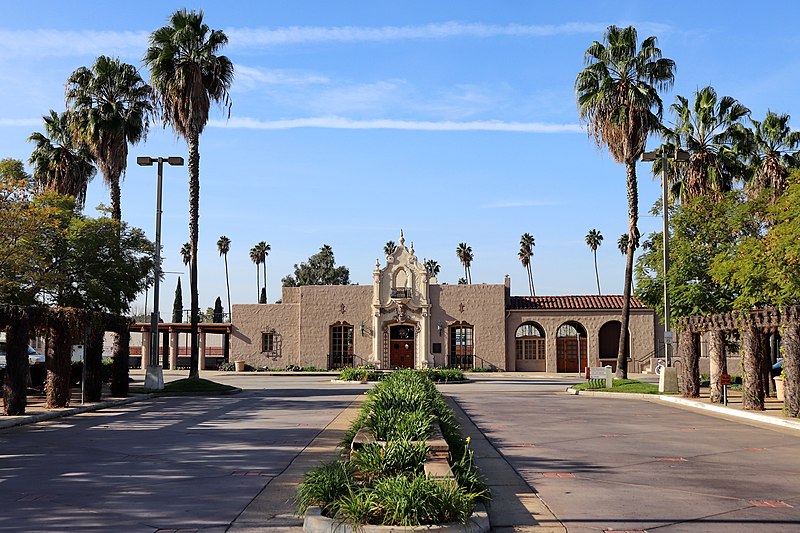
x=370, y=373
x=383, y=478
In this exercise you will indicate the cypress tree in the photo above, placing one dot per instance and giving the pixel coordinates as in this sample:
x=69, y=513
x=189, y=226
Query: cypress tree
x=177, y=306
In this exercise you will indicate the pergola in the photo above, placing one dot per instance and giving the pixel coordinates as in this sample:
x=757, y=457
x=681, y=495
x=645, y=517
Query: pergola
x=62, y=326
x=170, y=332
x=755, y=328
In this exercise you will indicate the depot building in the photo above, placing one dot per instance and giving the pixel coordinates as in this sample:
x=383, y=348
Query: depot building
x=406, y=319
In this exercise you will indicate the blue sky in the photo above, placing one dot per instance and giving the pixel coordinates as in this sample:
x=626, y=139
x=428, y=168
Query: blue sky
x=351, y=120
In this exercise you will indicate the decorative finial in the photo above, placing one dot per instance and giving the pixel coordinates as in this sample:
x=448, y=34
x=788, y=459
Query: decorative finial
x=412, y=248
x=377, y=264
x=402, y=239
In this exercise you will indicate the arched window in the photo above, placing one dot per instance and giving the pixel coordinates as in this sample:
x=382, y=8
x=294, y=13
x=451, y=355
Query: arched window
x=341, y=354
x=530, y=342
x=571, y=344
x=462, y=348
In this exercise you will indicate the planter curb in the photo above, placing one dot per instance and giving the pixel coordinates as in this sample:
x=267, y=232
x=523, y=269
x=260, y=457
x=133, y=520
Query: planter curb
x=314, y=522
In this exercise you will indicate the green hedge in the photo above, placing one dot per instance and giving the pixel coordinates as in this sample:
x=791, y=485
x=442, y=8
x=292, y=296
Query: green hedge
x=387, y=485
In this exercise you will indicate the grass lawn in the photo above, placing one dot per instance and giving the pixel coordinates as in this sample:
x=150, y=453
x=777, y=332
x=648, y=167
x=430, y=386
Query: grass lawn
x=187, y=386
x=624, y=385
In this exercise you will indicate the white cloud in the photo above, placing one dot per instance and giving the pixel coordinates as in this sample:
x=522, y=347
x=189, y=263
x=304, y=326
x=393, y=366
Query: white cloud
x=334, y=122
x=248, y=78
x=59, y=43
x=260, y=37
x=132, y=44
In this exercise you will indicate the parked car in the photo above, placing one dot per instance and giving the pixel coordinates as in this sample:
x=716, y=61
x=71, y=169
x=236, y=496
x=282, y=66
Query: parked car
x=34, y=357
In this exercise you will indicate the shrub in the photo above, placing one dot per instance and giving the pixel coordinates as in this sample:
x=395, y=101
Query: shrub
x=386, y=484
x=227, y=366
x=361, y=373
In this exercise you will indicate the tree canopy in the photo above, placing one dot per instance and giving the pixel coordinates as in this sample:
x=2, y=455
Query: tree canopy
x=320, y=269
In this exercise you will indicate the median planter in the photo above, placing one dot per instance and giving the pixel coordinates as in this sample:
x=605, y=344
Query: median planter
x=779, y=388
x=404, y=465
x=239, y=366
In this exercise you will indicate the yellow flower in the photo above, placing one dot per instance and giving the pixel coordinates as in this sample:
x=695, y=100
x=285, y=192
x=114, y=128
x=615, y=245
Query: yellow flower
x=469, y=439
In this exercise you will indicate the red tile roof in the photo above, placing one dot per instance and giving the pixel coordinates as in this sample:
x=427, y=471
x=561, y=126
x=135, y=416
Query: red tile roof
x=572, y=302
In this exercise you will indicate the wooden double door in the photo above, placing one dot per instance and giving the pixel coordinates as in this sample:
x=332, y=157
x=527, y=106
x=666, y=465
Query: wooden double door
x=567, y=359
x=401, y=346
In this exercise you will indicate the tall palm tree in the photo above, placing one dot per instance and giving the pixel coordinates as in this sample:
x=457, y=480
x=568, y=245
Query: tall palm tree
x=526, y=244
x=618, y=99
x=263, y=251
x=710, y=130
x=389, y=248
x=774, y=150
x=432, y=267
x=464, y=254
x=593, y=240
x=60, y=162
x=223, y=247
x=255, y=257
x=187, y=75
x=111, y=107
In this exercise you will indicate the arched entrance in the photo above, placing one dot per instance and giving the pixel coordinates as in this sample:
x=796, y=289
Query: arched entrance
x=401, y=346
x=608, y=340
x=570, y=342
x=529, y=347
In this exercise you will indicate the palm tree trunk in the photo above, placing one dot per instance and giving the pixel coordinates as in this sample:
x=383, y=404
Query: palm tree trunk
x=530, y=282
x=690, y=356
x=466, y=273
x=791, y=366
x=596, y=275
x=116, y=194
x=15, y=396
x=530, y=275
x=265, y=281
x=93, y=360
x=59, y=366
x=194, y=215
x=633, y=241
x=228, y=287
x=119, y=379
x=258, y=283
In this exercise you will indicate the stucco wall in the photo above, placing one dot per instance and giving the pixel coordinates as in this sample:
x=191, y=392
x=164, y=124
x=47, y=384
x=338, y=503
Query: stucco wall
x=484, y=307
x=251, y=320
x=642, y=329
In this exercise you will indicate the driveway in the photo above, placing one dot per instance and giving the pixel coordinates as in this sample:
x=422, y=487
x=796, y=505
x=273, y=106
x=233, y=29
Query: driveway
x=177, y=463
x=622, y=464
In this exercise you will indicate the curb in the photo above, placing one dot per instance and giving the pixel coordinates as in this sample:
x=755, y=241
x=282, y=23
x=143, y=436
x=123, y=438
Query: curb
x=693, y=404
x=69, y=411
x=314, y=522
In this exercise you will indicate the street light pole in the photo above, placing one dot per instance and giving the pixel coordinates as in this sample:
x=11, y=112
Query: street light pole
x=154, y=378
x=680, y=155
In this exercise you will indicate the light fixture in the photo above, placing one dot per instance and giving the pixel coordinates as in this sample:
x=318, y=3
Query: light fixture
x=362, y=328
x=440, y=327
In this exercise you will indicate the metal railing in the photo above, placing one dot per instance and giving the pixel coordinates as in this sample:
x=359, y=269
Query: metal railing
x=462, y=362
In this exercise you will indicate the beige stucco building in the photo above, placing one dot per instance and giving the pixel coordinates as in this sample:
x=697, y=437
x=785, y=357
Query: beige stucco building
x=407, y=319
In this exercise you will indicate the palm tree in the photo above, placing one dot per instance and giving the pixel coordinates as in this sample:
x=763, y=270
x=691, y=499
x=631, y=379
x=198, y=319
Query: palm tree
x=464, y=254
x=773, y=152
x=432, y=267
x=618, y=99
x=186, y=254
x=263, y=251
x=224, y=246
x=622, y=243
x=710, y=130
x=255, y=257
x=61, y=163
x=593, y=241
x=111, y=107
x=187, y=74
x=526, y=244
x=389, y=248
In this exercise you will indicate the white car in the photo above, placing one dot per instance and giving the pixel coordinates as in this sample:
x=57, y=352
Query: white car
x=34, y=357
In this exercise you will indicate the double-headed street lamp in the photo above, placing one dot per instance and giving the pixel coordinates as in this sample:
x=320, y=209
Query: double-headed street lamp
x=680, y=155
x=154, y=379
